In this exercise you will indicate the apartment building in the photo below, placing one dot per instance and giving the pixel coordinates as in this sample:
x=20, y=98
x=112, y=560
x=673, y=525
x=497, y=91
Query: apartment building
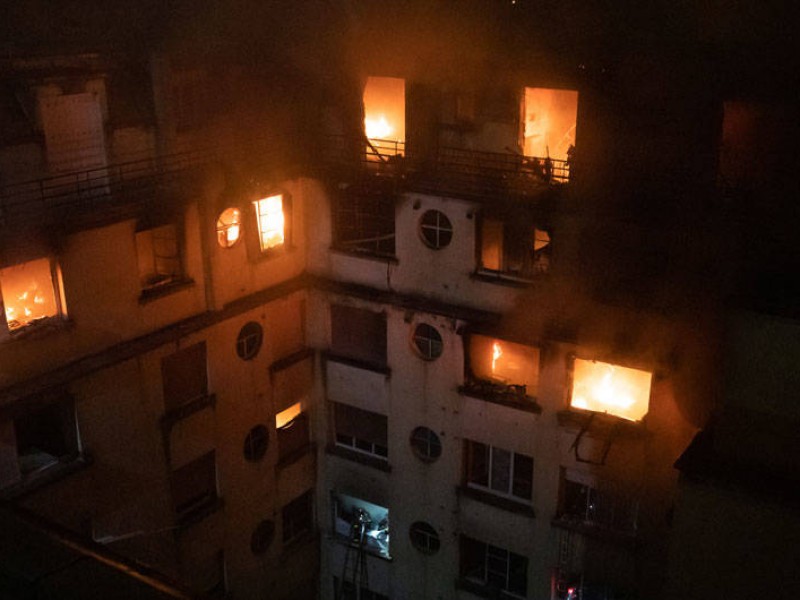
x=429, y=324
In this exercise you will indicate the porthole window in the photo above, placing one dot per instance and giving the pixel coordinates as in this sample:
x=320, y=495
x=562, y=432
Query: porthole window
x=262, y=537
x=229, y=227
x=255, y=444
x=424, y=537
x=427, y=341
x=248, y=343
x=435, y=229
x=426, y=444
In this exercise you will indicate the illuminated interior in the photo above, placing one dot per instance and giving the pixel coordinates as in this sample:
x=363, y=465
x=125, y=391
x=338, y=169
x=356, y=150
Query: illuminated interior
x=271, y=221
x=385, y=114
x=285, y=417
x=505, y=362
x=512, y=254
x=229, y=227
x=28, y=293
x=607, y=388
x=550, y=117
x=353, y=514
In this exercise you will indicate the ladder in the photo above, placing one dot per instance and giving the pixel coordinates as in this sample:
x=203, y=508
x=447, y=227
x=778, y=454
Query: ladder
x=355, y=576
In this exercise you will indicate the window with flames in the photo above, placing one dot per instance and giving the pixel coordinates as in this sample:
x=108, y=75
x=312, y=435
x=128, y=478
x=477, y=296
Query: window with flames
x=606, y=388
x=385, y=116
x=503, y=367
x=31, y=293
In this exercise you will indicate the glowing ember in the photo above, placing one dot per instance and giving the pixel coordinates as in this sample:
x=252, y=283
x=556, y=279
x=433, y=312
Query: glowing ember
x=27, y=292
x=497, y=353
x=378, y=129
x=607, y=388
x=269, y=212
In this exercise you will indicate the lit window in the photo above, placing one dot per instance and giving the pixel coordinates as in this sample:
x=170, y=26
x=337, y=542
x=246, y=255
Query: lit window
x=607, y=388
x=31, y=293
x=424, y=537
x=426, y=444
x=428, y=341
x=499, y=471
x=293, y=432
x=435, y=229
x=271, y=221
x=504, y=366
x=385, y=116
x=229, y=227
x=362, y=523
x=158, y=252
x=493, y=567
x=514, y=249
x=550, y=117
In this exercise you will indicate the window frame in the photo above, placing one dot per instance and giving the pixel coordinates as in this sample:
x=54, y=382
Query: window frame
x=428, y=456
x=420, y=531
x=172, y=361
x=484, y=577
x=539, y=261
x=251, y=222
x=511, y=476
x=291, y=515
x=169, y=281
x=200, y=502
x=354, y=443
x=256, y=443
x=425, y=346
x=438, y=228
x=222, y=228
x=244, y=349
x=56, y=280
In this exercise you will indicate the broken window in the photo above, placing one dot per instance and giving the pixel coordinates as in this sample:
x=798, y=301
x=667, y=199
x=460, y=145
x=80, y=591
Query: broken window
x=298, y=517
x=362, y=523
x=271, y=220
x=498, y=471
x=550, y=118
x=606, y=388
x=159, y=256
x=358, y=334
x=363, y=222
x=194, y=486
x=229, y=227
x=500, y=370
x=385, y=116
x=514, y=248
x=493, y=567
x=184, y=376
x=360, y=430
x=293, y=431
x=31, y=293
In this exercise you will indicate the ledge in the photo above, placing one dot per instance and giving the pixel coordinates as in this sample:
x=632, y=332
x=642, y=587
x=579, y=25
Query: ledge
x=519, y=507
x=502, y=278
x=602, y=423
x=38, y=329
x=154, y=293
x=171, y=417
x=358, y=363
x=343, y=541
x=199, y=513
x=295, y=455
x=288, y=361
x=596, y=531
x=383, y=258
x=56, y=472
x=359, y=457
x=504, y=399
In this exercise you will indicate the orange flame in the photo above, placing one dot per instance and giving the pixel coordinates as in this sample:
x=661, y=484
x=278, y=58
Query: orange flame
x=25, y=294
x=603, y=387
x=378, y=128
x=497, y=353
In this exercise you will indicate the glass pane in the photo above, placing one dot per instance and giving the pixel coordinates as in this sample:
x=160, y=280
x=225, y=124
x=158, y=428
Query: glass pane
x=478, y=463
x=501, y=470
x=523, y=476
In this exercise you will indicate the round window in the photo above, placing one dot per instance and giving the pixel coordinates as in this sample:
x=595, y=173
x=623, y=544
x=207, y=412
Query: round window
x=262, y=537
x=248, y=343
x=255, y=444
x=229, y=227
x=426, y=444
x=424, y=537
x=427, y=341
x=435, y=229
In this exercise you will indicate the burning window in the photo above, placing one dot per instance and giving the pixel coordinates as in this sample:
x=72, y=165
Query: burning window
x=229, y=227
x=31, y=293
x=293, y=432
x=505, y=363
x=158, y=252
x=271, y=221
x=385, y=115
x=607, y=388
x=514, y=249
x=362, y=523
x=550, y=117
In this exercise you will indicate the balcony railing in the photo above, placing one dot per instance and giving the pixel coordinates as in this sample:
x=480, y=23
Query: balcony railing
x=450, y=171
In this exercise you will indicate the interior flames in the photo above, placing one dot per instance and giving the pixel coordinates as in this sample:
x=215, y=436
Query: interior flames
x=612, y=389
x=27, y=293
x=385, y=114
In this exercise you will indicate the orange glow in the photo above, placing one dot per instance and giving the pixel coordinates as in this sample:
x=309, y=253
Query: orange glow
x=229, y=227
x=285, y=417
x=385, y=114
x=28, y=293
x=550, y=117
x=497, y=354
x=505, y=362
x=607, y=388
x=271, y=222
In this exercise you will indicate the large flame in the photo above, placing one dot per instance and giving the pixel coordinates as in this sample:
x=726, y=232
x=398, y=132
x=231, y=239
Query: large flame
x=27, y=293
x=603, y=387
x=550, y=117
x=497, y=353
x=385, y=114
x=378, y=129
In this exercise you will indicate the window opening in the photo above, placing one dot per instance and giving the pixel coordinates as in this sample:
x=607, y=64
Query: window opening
x=352, y=514
x=229, y=227
x=426, y=444
x=361, y=430
x=501, y=472
x=424, y=537
x=271, y=221
x=514, y=249
x=248, y=342
x=384, y=117
x=184, y=376
x=194, y=486
x=31, y=293
x=262, y=537
x=158, y=252
x=359, y=334
x=435, y=229
x=298, y=517
x=550, y=118
x=256, y=442
x=606, y=388
x=493, y=566
x=293, y=430
x=46, y=437
x=428, y=341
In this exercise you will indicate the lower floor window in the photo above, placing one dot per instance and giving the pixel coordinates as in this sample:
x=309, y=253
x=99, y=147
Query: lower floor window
x=298, y=517
x=347, y=590
x=361, y=430
x=499, y=471
x=493, y=567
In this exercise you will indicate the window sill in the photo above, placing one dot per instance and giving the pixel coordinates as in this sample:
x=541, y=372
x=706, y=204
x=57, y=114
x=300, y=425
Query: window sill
x=374, y=256
x=295, y=455
x=199, y=513
x=358, y=363
x=154, y=293
x=507, y=279
x=38, y=329
x=171, y=417
x=292, y=359
x=484, y=590
x=343, y=541
x=365, y=459
x=272, y=253
x=511, y=400
x=41, y=478
x=520, y=507
x=595, y=530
